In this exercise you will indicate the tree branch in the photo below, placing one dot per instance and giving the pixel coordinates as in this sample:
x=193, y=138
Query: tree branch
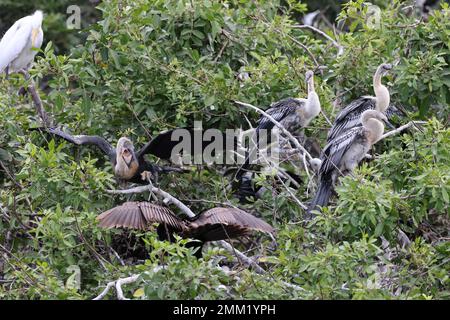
x=323, y=34
x=280, y=126
x=400, y=129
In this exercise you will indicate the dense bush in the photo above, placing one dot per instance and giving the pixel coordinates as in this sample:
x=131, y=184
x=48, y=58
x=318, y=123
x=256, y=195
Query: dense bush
x=147, y=66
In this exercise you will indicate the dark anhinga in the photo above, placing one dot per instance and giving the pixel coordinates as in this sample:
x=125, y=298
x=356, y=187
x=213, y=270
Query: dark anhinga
x=128, y=164
x=350, y=116
x=343, y=154
x=212, y=225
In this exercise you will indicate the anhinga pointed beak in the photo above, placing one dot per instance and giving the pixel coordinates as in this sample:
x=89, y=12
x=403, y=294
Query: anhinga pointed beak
x=388, y=124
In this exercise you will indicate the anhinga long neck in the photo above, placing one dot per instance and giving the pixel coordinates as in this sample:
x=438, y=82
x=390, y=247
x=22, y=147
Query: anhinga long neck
x=312, y=108
x=381, y=92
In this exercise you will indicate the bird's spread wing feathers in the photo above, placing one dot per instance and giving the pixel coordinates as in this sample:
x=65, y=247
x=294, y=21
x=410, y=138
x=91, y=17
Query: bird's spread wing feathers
x=140, y=216
x=162, y=145
x=14, y=41
x=223, y=223
x=79, y=140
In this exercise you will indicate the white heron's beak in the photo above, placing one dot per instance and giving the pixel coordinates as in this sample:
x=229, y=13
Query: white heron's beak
x=34, y=35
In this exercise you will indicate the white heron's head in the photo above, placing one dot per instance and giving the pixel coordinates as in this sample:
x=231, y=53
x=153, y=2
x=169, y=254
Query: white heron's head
x=315, y=164
x=36, y=23
x=309, y=75
x=37, y=18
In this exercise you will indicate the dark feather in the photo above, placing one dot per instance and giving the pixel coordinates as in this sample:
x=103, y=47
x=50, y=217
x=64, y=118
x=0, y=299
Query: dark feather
x=139, y=215
x=81, y=140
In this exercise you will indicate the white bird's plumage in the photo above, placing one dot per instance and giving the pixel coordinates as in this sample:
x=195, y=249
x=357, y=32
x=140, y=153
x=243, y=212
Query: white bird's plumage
x=17, y=45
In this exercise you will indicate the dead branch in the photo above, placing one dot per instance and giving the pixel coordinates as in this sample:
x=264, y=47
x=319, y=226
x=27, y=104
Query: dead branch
x=323, y=34
x=280, y=126
x=117, y=284
x=400, y=129
x=166, y=196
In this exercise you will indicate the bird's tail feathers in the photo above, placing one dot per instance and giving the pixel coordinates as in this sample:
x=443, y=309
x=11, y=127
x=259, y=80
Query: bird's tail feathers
x=322, y=196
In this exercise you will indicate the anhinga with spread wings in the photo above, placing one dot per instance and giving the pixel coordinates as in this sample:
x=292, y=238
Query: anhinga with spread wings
x=350, y=116
x=343, y=154
x=215, y=224
x=18, y=45
x=128, y=164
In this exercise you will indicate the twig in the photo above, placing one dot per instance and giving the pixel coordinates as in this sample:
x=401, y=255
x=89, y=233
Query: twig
x=280, y=126
x=400, y=129
x=323, y=34
x=167, y=197
x=39, y=107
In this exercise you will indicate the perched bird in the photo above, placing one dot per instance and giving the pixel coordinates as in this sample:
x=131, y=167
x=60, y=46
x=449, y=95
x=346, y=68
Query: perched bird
x=293, y=113
x=128, y=164
x=18, y=45
x=212, y=225
x=350, y=116
x=343, y=154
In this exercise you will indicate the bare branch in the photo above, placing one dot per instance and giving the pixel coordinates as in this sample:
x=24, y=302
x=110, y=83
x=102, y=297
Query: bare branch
x=167, y=197
x=323, y=34
x=38, y=105
x=400, y=129
x=280, y=126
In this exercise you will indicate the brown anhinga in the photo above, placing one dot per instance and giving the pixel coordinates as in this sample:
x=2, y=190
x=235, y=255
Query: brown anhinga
x=215, y=224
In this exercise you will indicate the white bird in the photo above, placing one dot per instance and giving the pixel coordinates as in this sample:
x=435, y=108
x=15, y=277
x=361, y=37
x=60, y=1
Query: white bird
x=18, y=45
x=343, y=154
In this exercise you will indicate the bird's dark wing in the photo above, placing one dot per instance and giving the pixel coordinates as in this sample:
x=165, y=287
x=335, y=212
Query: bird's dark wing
x=395, y=112
x=80, y=140
x=279, y=110
x=334, y=151
x=139, y=215
x=350, y=116
x=163, y=144
x=223, y=223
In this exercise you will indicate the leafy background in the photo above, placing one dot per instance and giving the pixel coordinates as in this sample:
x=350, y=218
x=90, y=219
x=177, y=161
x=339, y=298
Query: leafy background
x=140, y=67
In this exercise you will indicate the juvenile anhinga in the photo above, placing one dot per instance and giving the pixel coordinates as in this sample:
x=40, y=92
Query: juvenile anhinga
x=18, y=45
x=350, y=116
x=343, y=154
x=128, y=164
x=212, y=225
x=294, y=113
